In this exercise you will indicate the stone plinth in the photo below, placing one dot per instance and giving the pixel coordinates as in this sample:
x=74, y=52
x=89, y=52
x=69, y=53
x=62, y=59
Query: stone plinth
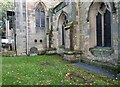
x=72, y=56
x=51, y=51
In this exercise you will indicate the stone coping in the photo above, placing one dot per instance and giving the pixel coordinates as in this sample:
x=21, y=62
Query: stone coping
x=101, y=51
x=104, y=65
x=72, y=52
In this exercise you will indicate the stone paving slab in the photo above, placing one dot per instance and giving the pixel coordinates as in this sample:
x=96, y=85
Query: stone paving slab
x=96, y=69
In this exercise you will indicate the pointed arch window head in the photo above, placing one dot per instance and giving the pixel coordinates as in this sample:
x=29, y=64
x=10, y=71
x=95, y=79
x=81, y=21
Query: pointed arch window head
x=40, y=17
x=39, y=7
x=102, y=7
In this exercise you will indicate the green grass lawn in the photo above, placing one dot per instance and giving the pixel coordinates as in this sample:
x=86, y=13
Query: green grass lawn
x=48, y=70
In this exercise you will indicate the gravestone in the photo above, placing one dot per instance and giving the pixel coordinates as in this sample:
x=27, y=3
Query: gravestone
x=33, y=51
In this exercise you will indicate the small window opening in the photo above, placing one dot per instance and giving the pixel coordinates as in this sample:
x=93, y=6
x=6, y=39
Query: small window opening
x=40, y=41
x=35, y=40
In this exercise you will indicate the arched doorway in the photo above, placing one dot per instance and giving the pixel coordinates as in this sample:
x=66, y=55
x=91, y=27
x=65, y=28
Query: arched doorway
x=61, y=31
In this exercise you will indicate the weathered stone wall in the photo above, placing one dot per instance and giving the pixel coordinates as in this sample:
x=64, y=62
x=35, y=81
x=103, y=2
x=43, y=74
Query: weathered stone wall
x=84, y=26
x=33, y=34
x=87, y=31
x=70, y=11
x=115, y=33
x=83, y=30
x=84, y=35
x=20, y=27
x=25, y=19
x=119, y=30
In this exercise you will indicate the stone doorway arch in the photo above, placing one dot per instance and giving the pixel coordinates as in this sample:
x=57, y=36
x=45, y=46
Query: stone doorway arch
x=61, y=29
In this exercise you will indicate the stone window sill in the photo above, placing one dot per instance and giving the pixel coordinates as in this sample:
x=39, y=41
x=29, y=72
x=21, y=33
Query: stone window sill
x=101, y=51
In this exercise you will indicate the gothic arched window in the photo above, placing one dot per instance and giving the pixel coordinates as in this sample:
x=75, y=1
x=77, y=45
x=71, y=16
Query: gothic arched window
x=103, y=26
x=40, y=17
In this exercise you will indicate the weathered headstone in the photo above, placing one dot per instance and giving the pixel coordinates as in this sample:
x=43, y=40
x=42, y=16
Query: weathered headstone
x=33, y=51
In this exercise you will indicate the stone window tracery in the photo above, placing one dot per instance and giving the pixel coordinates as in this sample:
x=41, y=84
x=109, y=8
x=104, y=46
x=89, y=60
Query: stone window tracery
x=40, y=17
x=103, y=26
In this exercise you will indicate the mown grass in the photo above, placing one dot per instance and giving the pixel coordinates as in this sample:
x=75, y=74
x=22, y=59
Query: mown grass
x=48, y=70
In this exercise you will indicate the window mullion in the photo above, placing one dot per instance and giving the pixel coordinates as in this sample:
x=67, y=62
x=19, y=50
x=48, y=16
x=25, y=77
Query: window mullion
x=103, y=30
x=40, y=19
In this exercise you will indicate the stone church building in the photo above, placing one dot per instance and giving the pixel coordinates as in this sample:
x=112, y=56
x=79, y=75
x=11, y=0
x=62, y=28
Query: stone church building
x=70, y=27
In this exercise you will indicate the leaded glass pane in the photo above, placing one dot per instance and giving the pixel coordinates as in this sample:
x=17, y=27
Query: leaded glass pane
x=99, y=29
x=40, y=17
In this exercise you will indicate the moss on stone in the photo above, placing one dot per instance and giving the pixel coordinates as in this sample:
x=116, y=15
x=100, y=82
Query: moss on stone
x=7, y=54
x=72, y=52
x=62, y=46
x=70, y=25
x=101, y=51
x=107, y=66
